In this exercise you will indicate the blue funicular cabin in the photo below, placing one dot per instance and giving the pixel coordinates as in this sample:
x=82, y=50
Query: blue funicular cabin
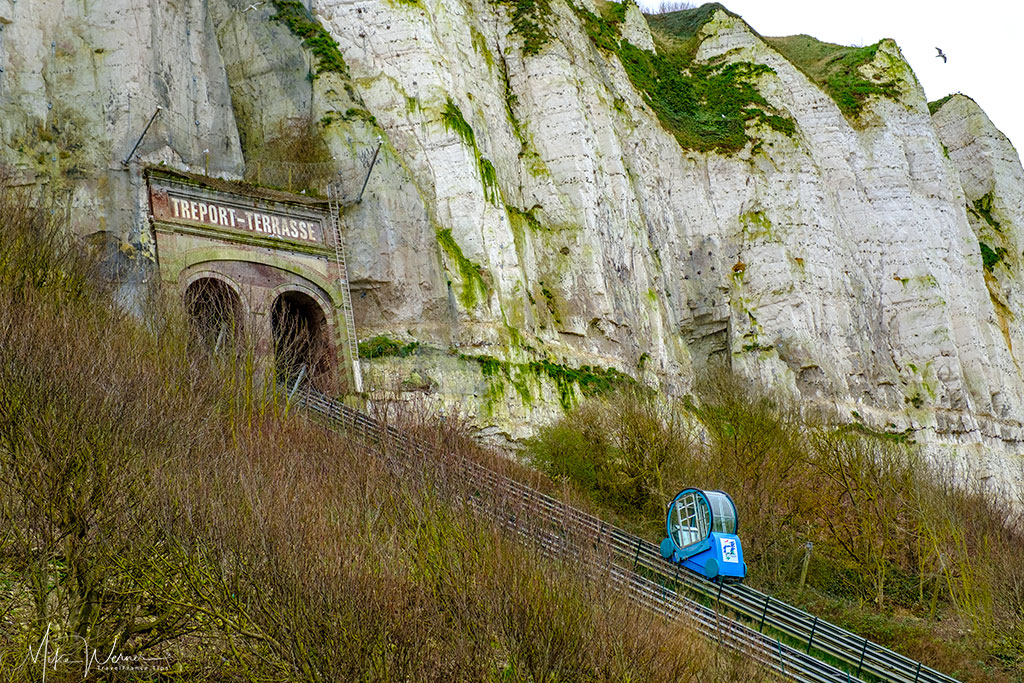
x=702, y=536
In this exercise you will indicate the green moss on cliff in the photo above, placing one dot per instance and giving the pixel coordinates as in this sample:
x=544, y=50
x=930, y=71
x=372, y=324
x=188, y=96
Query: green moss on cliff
x=991, y=257
x=529, y=22
x=474, y=285
x=570, y=382
x=836, y=68
x=453, y=120
x=552, y=303
x=756, y=225
x=982, y=208
x=489, y=180
x=480, y=47
x=523, y=218
x=299, y=21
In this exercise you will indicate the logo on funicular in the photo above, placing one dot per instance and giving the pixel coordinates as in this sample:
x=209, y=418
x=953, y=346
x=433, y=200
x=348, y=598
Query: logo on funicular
x=729, y=552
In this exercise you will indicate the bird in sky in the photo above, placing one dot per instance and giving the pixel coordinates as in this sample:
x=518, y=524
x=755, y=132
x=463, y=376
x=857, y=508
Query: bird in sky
x=253, y=6
x=941, y=54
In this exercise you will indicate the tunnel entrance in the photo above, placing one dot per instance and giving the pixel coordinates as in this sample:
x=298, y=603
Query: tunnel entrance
x=301, y=339
x=215, y=314
x=261, y=268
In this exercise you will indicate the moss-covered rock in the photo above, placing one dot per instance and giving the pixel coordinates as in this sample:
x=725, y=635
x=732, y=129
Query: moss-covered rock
x=837, y=69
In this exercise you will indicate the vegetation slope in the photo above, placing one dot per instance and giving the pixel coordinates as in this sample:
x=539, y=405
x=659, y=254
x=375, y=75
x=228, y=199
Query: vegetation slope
x=851, y=524
x=162, y=506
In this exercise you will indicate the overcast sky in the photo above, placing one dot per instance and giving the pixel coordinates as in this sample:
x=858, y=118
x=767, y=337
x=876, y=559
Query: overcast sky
x=983, y=39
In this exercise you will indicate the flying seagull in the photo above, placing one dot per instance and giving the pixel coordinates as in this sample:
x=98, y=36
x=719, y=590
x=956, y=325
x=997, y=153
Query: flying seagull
x=253, y=6
x=941, y=54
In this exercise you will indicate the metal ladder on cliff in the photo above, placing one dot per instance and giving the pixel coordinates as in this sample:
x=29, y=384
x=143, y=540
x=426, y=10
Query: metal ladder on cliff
x=334, y=204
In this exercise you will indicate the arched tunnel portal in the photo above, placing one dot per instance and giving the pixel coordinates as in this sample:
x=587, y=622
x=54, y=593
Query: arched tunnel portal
x=260, y=267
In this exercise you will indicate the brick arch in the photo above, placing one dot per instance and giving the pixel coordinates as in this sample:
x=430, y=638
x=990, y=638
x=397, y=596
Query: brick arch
x=303, y=336
x=228, y=282
x=252, y=240
x=195, y=258
x=260, y=284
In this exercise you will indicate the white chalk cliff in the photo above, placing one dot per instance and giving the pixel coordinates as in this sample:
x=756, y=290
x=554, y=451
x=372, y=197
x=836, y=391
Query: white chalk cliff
x=530, y=207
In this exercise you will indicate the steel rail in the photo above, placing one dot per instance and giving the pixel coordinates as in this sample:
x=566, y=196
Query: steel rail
x=853, y=650
x=861, y=657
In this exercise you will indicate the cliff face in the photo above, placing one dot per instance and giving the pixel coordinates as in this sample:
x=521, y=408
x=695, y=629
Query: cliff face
x=537, y=207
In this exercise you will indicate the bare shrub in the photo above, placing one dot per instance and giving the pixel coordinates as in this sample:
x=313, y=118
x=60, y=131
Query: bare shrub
x=754, y=450
x=163, y=501
x=293, y=157
x=886, y=532
x=666, y=6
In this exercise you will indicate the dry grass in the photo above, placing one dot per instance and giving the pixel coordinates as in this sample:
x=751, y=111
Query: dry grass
x=161, y=499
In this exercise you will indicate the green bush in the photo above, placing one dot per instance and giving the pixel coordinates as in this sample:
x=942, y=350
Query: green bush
x=382, y=345
x=624, y=450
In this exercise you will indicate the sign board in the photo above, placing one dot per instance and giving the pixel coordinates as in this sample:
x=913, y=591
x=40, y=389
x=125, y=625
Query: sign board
x=729, y=553
x=177, y=204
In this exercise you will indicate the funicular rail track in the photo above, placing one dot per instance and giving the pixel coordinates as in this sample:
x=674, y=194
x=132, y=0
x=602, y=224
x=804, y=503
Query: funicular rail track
x=741, y=616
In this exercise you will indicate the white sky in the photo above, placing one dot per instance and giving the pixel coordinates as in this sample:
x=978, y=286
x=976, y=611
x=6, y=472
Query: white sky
x=983, y=39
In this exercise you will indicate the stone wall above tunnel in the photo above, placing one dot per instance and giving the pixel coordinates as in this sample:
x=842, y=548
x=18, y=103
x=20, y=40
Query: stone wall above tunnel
x=273, y=256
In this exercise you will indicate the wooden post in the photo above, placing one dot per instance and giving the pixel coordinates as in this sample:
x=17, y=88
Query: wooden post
x=803, y=570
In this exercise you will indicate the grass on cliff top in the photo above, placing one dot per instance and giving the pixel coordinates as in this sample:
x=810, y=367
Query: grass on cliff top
x=156, y=498
x=684, y=24
x=835, y=69
x=936, y=105
x=705, y=106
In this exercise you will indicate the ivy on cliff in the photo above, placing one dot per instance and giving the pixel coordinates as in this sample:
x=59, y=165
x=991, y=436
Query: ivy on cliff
x=473, y=275
x=529, y=22
x=299, y=21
